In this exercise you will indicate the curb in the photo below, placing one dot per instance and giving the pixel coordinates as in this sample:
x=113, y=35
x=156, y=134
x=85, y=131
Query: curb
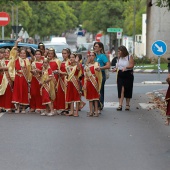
x=150, y=71
x=154, y=82
x=160, y=93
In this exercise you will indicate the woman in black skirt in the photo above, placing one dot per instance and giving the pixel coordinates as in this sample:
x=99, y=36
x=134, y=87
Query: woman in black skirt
x=125, y=77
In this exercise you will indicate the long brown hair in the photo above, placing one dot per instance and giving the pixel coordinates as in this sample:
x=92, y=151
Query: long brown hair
x=101, y=46
x=124, y=50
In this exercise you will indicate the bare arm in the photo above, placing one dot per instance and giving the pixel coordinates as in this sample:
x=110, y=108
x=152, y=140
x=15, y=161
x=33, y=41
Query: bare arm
x=131, y=63
x=17, y=41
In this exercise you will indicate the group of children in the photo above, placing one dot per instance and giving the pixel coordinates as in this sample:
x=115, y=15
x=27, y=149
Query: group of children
x=46, y=84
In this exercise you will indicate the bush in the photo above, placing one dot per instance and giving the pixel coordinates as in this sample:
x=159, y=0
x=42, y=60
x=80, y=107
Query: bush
x=143, y=60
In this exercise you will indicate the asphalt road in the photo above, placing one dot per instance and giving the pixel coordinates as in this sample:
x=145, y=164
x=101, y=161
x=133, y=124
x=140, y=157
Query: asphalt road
x=123, y=140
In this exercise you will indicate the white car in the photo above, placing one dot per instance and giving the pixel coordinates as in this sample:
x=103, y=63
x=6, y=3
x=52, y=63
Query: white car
x=58, y=48
x=58, y=40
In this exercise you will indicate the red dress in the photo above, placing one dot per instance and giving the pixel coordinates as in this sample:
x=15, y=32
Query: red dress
x=20, y=91
x=91, y=92
x=73, y=93
x=61, y=89
x=54, y=65
x=167, y=98
x=36, y=98
x=8, y=105
x=1, y=96
x=45, y=92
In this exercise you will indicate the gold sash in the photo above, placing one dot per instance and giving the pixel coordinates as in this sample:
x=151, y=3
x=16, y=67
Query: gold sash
x=6, y=79
x=72, y=78
x=61, y=82
x=91, y=77
x=48, y=86
x=36, y=75
x=25, y=67
x=54, y=80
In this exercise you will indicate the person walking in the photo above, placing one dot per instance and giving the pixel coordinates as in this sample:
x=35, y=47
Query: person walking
x=6, y=88
x=21, y=88
x=104, y=63
x=36, y=69
x=61, y=88
x=167, y=99
x=47, y=89
x=92, y=84
x=125, y=77
x=54, y=64
x=73, y=87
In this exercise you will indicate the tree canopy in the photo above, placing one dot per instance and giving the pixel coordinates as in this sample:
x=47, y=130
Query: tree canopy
x=46, y=18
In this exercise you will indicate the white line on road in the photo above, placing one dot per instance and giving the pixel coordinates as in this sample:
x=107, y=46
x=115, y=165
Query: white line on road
x=136, y=84
x=1, y=114
x=3, y=18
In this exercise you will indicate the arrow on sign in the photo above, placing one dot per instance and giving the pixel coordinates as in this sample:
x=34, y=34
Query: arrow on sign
x=159, y=48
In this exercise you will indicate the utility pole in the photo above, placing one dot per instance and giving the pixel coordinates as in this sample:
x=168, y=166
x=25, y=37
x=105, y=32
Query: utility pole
x=17, y=22
x=134, y=26
x=12, y=22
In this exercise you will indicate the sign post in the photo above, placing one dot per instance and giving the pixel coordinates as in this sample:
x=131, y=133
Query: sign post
x=4, y=20
x=159, y=48
x=114, y=30
x=119, y=34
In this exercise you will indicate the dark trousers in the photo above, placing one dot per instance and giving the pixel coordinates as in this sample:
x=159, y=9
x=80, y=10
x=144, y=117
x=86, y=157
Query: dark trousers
x=101, y=102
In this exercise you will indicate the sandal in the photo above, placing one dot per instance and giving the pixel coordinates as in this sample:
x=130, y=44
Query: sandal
x=43, y=114
x=89, y=114
x=51, y=114
x=167, y=122
x=119, y=108
x=82, y=105
x=96, y=114
x=127, y=108
x=76, y=115
x=70, y=114
x=17, y=111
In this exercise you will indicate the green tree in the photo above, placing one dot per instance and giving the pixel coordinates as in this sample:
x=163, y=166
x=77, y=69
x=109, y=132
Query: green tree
x=102, y=14
x=70, y=19
x=129, y=16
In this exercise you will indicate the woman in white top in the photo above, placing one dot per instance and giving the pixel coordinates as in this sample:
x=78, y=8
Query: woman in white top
x=125, y=77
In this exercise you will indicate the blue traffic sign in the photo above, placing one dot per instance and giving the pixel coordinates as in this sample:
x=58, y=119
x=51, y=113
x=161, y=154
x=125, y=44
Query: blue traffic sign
x=159, y=48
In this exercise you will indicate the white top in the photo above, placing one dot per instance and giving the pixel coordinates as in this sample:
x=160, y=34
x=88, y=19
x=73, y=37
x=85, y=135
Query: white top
x=123, y=62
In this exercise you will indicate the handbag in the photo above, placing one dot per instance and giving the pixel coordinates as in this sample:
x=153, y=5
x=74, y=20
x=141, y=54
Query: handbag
x=107, y=73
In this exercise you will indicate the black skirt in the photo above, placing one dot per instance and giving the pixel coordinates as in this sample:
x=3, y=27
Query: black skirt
x=125, y=79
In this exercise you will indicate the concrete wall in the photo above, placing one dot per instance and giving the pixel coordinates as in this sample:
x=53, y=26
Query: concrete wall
x=158, y=28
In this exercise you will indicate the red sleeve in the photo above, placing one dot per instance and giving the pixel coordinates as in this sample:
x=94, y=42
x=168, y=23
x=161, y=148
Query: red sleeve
x=50, y=72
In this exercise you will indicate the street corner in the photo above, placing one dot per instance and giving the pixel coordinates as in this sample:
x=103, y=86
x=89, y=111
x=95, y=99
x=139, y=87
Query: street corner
x=158, y=95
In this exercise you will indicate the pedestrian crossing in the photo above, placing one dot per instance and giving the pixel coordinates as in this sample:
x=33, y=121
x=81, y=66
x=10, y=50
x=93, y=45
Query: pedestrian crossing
x=142, y=105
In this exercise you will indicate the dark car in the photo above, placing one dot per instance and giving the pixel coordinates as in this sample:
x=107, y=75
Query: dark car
x=10, y=43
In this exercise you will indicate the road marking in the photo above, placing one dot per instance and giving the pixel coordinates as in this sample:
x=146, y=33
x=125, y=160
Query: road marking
x=147, y=105
x=111, y=104
x=116, y=104
x=138, y=84
x=1, y=114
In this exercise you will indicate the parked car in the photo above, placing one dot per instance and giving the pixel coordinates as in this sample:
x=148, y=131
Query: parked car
x=58, y=48
x=10, y=43
x=58, y=40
